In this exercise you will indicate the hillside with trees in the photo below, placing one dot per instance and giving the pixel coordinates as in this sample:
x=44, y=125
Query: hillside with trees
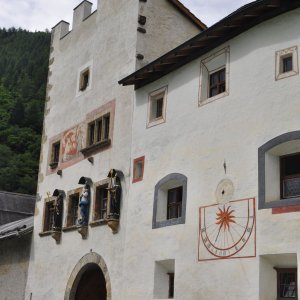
x=23, y=76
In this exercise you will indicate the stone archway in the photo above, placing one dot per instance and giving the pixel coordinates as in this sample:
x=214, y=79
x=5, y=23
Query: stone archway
x=92, y=264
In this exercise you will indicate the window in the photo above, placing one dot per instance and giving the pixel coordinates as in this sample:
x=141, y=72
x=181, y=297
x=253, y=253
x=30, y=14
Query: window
x=217, y=83
x=49, y=211
x=286, y=63
x=98, y=130
x=72, y=216
x=164, y=275
x=171, y=286
x=157, y=107
x=214, y=77
x=138, y=169
x=286, y=283
x=279, y=171
x=84, y=80
x=55, y=155
x=100, y=211
x=290, y=175
x=170, y=201
x=174, y=203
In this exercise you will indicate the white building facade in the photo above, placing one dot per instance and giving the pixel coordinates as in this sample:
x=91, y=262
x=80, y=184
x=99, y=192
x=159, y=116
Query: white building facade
x=79, y=236
x=214, y=200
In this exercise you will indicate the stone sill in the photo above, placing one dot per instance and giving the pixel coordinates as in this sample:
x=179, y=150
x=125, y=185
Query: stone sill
x=100, y=145
x=45, y=233
x=98, y=223
x=70, y=228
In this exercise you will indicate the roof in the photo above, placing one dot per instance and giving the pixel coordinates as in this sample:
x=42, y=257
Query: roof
x=14, y=207
x=186, y=12
x=16, y=229
x=234, y=24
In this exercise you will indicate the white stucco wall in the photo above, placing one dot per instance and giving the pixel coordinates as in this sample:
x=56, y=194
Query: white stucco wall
x=195, y=141
x=106, y=41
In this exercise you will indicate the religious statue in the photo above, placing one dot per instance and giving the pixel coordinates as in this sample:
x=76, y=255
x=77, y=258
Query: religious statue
x=84, y=203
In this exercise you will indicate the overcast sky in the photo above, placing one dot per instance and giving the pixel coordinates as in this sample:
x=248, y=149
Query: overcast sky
x=41, y=14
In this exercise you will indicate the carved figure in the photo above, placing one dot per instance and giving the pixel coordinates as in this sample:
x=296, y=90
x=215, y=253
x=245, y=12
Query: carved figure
x=58, y=208
x=115, y=190
x=84, y=203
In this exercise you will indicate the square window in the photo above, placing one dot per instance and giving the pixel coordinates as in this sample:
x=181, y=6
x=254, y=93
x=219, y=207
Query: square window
x=286, y=283
x=98, y=130
x=286, y=63
x=214, y=77
x=72, y=216
x=217, y=83
x=290, y=176
x=157, y=107
x=174, y=203
x=100, y=212
x=84, y=80
x=138, y=169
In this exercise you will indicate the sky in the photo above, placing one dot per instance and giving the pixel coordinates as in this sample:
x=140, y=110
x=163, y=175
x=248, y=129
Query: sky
x=44, y=14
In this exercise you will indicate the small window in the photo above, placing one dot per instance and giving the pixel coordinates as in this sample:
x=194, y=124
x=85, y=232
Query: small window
x=49, y=215
x=84, y=80
x=73, y=210
x=217, y=83
x=100, y=212
x=290, y=176
x=286, y=283
x=55, y=155
x=171, y=286
x=174, y=203
x=157, y=107
x=214, y=76
x=164, y=274
x=138, y=169
x=98, y=130
x=286, y=63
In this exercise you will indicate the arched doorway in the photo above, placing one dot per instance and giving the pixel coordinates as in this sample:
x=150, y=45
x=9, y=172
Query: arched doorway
x=89, y=280
x=91, y=285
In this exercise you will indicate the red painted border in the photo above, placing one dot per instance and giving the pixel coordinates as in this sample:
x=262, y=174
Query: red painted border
x=135, y=161
x=285, y=209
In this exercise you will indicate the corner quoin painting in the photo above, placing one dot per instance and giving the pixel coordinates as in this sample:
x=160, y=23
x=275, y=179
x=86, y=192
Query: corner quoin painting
x=227, y=230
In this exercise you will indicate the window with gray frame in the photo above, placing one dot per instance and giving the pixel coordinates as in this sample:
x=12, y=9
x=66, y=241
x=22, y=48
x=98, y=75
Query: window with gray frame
x=170, y=201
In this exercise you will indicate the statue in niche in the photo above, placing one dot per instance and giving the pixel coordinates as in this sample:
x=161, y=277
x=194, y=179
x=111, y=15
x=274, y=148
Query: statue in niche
x=84, y=203
x=114, y=189
x=58, y=209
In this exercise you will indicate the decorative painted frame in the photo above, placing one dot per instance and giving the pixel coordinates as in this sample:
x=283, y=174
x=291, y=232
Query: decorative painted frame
x=135, y=162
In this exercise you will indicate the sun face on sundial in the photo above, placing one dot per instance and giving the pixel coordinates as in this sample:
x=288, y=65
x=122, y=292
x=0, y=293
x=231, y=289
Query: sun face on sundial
x=227, y=230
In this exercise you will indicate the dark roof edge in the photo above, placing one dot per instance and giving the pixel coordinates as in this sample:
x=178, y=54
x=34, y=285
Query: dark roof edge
x=19, y=194
x=234, y=24
x=186, y=12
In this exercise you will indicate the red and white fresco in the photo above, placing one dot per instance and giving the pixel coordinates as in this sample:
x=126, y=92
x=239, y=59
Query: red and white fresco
x=227, y=230
x=72, y=143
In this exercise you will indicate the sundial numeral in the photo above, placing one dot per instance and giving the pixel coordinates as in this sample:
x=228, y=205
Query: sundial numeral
x=248, y=229
x=208, y=246
x=251, y=217
x=243, y=240
x=203, y=229
x=205, y=240
x=236, y=248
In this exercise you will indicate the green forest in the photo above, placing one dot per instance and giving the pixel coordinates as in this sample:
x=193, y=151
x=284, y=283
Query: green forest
x=23, y=76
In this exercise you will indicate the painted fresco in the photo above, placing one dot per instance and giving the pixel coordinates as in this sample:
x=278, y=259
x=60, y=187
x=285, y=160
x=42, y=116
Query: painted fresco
x=72, y=143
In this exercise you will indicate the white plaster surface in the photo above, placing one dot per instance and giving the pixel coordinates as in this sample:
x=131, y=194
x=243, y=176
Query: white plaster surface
x=195, y=141
x=108, y=38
